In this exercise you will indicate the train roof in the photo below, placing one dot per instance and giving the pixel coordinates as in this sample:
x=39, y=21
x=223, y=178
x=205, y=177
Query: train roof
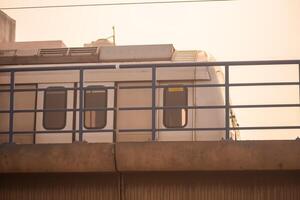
x=13, y=55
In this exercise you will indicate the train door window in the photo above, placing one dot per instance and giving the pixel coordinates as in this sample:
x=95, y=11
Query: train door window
x=55, y=98
x=175, y=96
x=95, y=97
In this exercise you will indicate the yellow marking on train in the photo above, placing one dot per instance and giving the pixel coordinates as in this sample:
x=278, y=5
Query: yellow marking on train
x=175, y=89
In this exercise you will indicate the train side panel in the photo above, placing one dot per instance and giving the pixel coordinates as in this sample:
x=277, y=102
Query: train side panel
x=190, y=118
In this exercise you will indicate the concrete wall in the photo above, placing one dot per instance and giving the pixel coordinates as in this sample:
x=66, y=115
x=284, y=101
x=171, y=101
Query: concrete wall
x=7, y=28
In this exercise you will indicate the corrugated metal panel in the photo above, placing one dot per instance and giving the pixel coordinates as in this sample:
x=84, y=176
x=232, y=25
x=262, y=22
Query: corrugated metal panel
x=9, y=52
x=59, y=186
x=153, y=186
x=182, y=56
x=83, y=51
x=212, y=186
x=53, y=52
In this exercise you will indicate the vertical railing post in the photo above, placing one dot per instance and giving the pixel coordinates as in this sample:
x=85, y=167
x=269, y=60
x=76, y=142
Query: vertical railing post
x=153, y=102
x=299, y=82
x=81, y=104
x=227, y=103
x=35, y=113
x=11, y=107
x=116, y=91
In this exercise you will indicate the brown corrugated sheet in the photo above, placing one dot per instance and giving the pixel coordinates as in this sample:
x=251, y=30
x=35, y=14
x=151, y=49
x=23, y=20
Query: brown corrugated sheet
x=212, y=186
x=58, y=186
x=276, y=185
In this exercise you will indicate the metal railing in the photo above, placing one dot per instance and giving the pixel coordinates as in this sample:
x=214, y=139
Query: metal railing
x=153, y=66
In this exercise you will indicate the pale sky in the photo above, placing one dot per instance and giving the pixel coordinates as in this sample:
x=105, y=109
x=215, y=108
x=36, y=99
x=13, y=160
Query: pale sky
x=234, y=30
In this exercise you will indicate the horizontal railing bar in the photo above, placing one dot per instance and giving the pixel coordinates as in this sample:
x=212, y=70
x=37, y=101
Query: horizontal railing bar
x=71, y=109
x=164, y=129
x=59, y=131
x=265, y=106
x=39, y=132
x=97, y=130
x=44, y=89
x=121, y=87
x=171, y=85
x=150, y=65
x=212, y=107
x=134, y=130
x=58, y=68
x=212, y=85
x=171, y=107
x=157, y=108
x=192, y=129
x=211, y=129
x=57, y=110
x=190, y=107
x=33, y=90
x=134, y=108
x=264, y=127
x=111, y=109
x=263, y=84
x=211, y=64
x=172, y=129
x=165, y=86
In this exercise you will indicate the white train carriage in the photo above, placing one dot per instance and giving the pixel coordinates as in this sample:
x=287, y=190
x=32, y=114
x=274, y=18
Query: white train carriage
x=115, y=89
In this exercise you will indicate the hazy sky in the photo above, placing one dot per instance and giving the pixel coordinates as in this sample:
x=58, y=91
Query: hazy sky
x=234, y=30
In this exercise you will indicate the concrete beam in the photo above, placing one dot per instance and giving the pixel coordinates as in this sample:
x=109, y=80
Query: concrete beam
x=151, y=156
x=208, y=156
x=57, y=158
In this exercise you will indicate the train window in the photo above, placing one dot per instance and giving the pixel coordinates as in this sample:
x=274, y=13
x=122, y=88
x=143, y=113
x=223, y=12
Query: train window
x=175, y=96
x=55, y=98
x=95, y=97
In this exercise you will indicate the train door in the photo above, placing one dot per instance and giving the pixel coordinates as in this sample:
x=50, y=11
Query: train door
x=134, y=119
x=176, y=119
x=97, y=95
x=56, y=125
x=23, y=127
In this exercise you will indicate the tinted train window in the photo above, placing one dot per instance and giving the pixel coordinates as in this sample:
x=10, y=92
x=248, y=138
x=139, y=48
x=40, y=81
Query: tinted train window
x=95, y=97
x=55, y=98
x=175, y=96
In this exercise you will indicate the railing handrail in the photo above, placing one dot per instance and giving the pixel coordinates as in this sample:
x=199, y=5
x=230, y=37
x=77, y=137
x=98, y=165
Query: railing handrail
x=153, y=66
x=89, y=66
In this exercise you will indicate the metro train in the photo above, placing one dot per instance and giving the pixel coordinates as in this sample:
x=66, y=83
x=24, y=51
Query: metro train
x=40, y=88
